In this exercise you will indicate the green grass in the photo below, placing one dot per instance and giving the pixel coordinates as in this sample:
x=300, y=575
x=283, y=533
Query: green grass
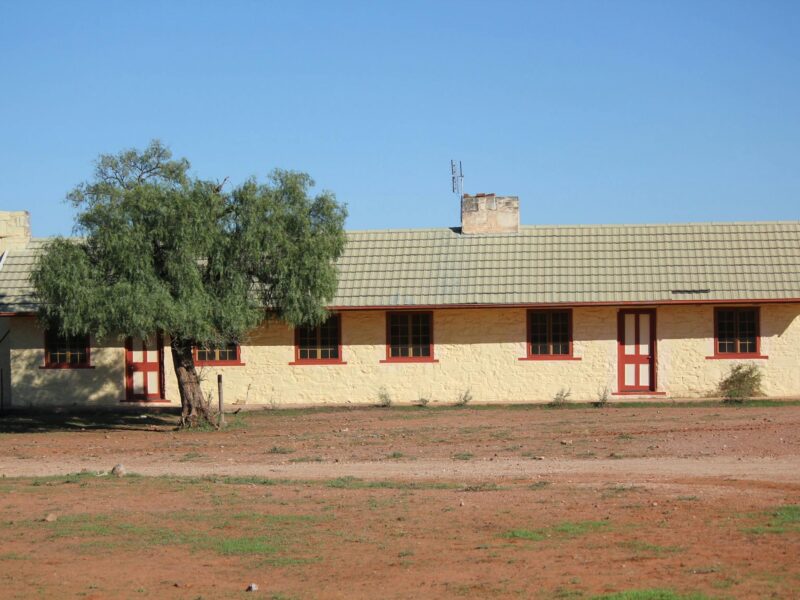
x=643, y=549
x=269, y=537
x=651, y=595
x=395, y=455
x=463, y=456
x=189, y=456
x=565, y=530
x=305, y=459
x=784, y=519
x=354, y=483
x=539, y=485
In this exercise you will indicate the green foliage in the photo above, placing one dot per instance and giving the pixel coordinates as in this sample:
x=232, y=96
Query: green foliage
x=742, y=382
x=163, y=251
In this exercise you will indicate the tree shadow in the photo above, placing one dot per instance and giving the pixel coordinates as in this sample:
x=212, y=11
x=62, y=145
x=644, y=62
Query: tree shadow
x=69, y=419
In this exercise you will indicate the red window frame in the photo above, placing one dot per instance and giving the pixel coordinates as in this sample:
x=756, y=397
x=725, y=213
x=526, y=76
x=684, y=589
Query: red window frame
x=234, y=362
x=49, y=337
x=737, y=309
x=409, y=359
x=529, y=355
x=319, y=361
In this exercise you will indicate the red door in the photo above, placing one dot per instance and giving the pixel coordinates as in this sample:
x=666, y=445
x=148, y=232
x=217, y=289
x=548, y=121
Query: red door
x=144, y=361
x=637, y=350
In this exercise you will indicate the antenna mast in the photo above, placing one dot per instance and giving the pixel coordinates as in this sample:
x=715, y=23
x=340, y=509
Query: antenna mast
x=457, y=176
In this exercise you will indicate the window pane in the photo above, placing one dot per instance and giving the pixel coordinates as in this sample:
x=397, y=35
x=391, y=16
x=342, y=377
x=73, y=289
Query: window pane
x=399, y=335
x=747, y=330
x=218, y=354
x=66, y=350
x=539, y=327
x=560, y=332
x=549, y=332
x=319, y=343
x=726, y=331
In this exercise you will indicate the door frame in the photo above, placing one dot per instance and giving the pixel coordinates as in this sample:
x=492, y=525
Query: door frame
x=621, y=387
x=129, y=396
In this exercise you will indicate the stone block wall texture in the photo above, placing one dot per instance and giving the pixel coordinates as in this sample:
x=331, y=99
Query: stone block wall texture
x=477, y=350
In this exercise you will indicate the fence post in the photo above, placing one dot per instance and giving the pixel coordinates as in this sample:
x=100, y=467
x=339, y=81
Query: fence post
x=221, y=422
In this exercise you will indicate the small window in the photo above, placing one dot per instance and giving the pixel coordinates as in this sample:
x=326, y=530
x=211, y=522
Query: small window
x=737, y=331
x=549, y=334
x=64, y=352
x=409, y=336
x=321, y=344
x=228, y=354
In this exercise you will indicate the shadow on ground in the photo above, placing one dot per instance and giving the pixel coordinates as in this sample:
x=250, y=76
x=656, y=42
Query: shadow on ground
x=54, y=420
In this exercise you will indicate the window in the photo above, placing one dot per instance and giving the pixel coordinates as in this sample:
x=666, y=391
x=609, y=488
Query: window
x=321, y=344
x=409, y=337
x=736, y=332
x=549, y=334
x=66, y=352
x=228, y=354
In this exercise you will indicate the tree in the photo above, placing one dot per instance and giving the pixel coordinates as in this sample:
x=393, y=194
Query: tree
x=161, y=251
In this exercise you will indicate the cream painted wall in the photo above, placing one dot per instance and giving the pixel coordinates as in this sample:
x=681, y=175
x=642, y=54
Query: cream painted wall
x=477, y=350
x=33, y=386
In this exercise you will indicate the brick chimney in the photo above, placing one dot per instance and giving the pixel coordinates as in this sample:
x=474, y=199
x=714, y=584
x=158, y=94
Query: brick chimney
x=487, y=213
x=15, y=229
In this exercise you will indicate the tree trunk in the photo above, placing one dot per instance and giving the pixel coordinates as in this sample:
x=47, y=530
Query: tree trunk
x=194, y=409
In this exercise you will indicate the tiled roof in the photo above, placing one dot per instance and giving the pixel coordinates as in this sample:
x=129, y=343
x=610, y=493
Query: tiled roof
x=542, y=265
x=16, y=291
x=572, y=264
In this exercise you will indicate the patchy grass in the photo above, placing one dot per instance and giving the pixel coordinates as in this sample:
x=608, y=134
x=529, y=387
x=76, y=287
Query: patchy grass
x=354, y=483
x=280, y=450
x=268, y=536
x=463, y=456
x=306, y=459
x=395, y=455
x=647, y=550
x=565, y=530
x=651, y=595
x=539, y=485
x=784, y=519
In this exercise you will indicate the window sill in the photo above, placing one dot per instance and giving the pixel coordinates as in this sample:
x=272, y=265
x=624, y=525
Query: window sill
x=323, y=361
x=218, y=363
x=65, y=367
x=550, y=357
x=737, y=356
x=639, y=393
x=401, y=361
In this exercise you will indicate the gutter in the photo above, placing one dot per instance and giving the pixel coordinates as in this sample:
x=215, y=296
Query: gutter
x=566, y=304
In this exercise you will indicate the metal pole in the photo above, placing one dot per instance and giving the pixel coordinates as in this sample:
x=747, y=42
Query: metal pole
x=221, y=403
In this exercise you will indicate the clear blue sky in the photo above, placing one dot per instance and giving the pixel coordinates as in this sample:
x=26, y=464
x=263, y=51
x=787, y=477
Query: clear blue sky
x=591, y=112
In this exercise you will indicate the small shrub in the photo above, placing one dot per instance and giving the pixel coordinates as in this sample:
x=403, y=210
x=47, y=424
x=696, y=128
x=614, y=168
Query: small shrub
x=384, y=399
x=561, y=397
x=464, y=398
x=603, y=394
x=423, y=402
x=742, y=382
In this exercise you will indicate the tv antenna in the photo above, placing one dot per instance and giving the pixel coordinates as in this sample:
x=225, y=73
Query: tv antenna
x=457, y=176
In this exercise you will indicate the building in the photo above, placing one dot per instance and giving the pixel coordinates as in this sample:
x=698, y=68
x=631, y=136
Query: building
x=493, y=311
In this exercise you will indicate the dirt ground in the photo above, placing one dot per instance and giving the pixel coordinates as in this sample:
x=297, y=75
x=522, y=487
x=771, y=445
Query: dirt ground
x=470, y=502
